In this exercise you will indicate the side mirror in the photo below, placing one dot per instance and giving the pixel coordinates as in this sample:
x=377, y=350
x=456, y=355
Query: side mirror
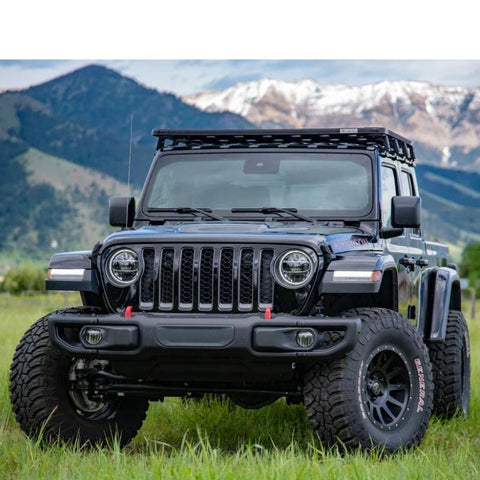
x=406, y=212
x=121, y=211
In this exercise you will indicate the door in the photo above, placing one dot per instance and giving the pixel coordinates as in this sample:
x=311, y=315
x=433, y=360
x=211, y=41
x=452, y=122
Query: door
x=398, y=246
x=416, y=245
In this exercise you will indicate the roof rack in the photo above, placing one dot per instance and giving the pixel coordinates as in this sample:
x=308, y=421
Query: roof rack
x=389, y=143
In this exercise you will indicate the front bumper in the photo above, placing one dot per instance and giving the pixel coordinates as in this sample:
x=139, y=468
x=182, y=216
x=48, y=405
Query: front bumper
x=215, y=335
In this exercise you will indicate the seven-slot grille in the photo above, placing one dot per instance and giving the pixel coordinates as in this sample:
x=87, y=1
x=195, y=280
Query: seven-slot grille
x=207, y=278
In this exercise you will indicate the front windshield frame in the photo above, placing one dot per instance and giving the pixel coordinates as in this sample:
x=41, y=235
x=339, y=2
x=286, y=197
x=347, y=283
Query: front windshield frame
x=164, y=158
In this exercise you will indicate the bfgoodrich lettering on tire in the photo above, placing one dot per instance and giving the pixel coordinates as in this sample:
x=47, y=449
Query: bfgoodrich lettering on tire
x=378, y=394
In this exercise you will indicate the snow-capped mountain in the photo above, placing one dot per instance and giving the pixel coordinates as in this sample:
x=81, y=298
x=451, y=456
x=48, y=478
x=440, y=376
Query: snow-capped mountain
x=444, y=121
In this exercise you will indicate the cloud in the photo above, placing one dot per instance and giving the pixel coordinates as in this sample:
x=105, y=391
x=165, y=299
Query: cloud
x=221, y=74
x=31, y=64
x=229, y=80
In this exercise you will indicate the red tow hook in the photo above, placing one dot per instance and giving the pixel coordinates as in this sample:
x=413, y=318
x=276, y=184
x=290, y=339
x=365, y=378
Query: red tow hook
x=128, y=312
x=268, y=313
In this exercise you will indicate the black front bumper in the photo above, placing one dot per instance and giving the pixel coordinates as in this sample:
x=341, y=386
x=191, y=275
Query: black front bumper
x=215, y=335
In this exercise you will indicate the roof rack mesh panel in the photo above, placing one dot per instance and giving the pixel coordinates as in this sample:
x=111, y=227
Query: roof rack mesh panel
x=389, y=143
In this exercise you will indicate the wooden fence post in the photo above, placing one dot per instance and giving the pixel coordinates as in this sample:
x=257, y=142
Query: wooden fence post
x=473, y=297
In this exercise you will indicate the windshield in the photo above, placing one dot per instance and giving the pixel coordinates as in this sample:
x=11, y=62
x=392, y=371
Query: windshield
x=323, y=184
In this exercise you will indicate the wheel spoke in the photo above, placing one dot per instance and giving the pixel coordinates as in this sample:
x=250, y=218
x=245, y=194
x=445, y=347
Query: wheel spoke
x=396, y=402
x=397, y=386
x=392, y=416
x=380, y=415
x=376, y=362
x=390, y=359
x=393, y=373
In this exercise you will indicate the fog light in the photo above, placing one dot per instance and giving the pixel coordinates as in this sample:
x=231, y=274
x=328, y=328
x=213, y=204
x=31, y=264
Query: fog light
x=305, y=338
x=93, y=336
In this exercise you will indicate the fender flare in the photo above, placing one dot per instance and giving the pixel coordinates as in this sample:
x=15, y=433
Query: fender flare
x=367, y=262
x=439, y=292
x=72, y=271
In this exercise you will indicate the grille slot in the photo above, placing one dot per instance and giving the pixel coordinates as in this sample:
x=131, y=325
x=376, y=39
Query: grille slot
x=245, y=284
x=148, y=279
x=207, y=278
x=166, y=279
x=225, y=281
x=185, y=282
x=265, y=287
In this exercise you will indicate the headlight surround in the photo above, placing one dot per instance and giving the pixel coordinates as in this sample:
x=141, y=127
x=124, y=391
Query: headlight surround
x=294, y=269
x=123, y=267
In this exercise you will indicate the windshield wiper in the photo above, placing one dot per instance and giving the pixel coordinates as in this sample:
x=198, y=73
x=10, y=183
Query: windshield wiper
x=266, y=210
x=206, y=212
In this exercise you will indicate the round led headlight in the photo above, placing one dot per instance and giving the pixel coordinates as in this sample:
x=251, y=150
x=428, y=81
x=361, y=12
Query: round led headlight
x=123, y=267
x=294, y=269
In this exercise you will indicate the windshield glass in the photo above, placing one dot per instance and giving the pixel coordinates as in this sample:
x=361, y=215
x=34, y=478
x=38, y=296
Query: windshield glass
x=322, y=183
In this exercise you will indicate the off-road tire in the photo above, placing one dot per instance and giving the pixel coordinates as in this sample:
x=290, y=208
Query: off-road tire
x=341, y=396
x=41, y=402
x=451, y=368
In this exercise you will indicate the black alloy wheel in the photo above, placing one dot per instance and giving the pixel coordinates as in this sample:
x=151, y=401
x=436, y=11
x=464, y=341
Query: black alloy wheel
x=386, y=387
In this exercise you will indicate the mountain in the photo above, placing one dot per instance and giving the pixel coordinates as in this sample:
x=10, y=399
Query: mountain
x=443, y=121
x=82, y=118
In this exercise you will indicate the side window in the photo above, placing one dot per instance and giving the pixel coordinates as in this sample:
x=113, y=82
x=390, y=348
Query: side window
x=407, y=184
x=389, y=190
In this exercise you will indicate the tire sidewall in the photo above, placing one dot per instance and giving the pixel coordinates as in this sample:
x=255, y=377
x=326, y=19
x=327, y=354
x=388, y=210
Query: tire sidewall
x=417, y=410
x=465, y=354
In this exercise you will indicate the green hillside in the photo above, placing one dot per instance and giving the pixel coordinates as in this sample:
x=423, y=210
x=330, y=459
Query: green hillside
x=451, y=201
x=64, y=149
x=31, y=216
x=88, y=190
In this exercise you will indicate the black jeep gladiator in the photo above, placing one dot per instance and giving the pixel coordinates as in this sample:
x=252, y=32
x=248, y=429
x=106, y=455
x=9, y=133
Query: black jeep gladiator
x=258, y=264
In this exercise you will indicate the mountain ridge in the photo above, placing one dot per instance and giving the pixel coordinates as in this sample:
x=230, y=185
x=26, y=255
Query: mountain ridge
x=444, y=121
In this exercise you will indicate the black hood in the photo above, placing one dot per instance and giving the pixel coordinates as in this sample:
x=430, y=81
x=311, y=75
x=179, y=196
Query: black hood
x=317, y=236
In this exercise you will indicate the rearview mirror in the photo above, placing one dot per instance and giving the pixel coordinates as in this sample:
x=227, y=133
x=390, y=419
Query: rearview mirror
x=121, y=211
x=406, y=212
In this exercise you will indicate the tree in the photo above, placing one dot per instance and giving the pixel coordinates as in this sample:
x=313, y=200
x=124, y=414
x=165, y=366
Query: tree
x=470, y=266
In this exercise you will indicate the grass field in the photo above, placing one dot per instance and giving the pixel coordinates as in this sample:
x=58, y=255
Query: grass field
x=213, y=439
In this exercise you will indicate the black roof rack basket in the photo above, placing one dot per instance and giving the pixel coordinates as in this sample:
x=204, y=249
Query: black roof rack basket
x=389, y=143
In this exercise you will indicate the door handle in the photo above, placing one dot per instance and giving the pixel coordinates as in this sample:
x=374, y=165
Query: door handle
x=407, y=261
x=422, y=262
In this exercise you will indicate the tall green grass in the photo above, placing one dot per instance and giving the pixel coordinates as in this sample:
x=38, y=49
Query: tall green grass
x=214, y=439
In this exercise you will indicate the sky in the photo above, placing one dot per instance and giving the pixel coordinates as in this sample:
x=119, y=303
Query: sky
x=327, y=41
x=191, y=76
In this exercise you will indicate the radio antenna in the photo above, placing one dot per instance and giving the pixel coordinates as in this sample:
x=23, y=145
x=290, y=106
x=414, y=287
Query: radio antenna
x=130, y=154
x=129, y=167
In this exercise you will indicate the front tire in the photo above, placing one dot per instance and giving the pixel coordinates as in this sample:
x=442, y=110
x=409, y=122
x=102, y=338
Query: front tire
x=377, y=395
x=451, y=368
x=45, y=404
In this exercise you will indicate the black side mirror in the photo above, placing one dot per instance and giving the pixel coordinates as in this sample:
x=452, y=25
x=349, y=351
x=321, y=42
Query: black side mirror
x=406, y=212
x=121, y=211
